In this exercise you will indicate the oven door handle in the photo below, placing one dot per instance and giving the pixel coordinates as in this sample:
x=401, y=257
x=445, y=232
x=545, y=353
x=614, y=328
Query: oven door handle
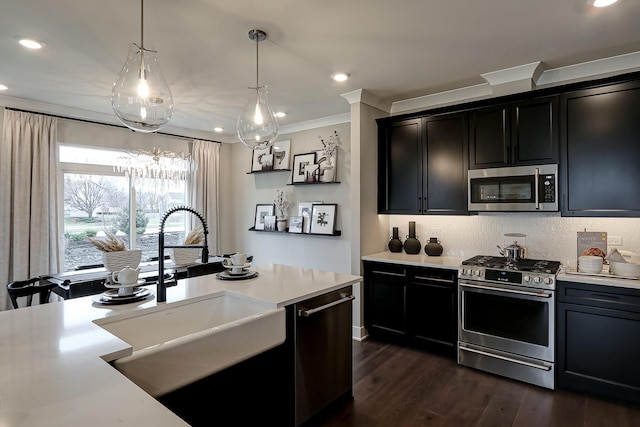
x=508, y=359
x=508, y=291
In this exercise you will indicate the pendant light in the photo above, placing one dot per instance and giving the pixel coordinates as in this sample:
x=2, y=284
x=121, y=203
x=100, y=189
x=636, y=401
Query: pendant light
x=141, y=98
x=257, y=123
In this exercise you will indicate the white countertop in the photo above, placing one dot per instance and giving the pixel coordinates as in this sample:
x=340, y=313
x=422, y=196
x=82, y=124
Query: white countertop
x=53, y=358
x=418, y=260
x=599, y=280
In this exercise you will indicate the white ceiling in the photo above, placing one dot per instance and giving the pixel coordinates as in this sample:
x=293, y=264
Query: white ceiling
x=393, y=49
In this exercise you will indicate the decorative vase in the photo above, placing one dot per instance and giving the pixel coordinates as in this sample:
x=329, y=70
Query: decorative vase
x=327, y=174
x=433, y=248
x=412, y=245
x=395, y=244
x=185, y=256
x=116, y=261
x=281, y=224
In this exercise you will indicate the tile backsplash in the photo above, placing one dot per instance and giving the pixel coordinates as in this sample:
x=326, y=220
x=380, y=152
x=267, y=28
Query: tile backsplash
x=548, y=235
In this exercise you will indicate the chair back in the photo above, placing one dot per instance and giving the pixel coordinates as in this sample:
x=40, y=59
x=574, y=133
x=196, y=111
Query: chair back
x=29, y=288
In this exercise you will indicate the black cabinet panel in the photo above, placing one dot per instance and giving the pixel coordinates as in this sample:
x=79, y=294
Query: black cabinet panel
x=489, y=137
x=601, y=151
x=445, y=159
x=535, y=131
x=411, y=305
x=598, y=348
x=400, y=167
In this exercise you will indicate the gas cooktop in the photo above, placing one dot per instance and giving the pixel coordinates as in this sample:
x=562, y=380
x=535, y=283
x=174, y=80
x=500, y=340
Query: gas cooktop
x=525, y=265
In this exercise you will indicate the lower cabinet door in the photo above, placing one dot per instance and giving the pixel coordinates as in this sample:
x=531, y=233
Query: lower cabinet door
x=386, y=309
x=431, y=316
x=599, y=351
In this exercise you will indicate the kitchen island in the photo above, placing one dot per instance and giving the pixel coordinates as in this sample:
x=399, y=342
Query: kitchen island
x=54, y=366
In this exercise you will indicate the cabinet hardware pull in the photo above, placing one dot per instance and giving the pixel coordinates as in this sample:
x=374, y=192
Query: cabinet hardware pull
x=387, y=273
x=307, y=313
x=507, y=291
x=606, y=297
x=508, y=359
x=434, y=279
x=536, y=185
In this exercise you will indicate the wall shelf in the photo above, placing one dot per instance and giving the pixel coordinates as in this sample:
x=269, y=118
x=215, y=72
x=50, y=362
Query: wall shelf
x=269, y=171
x=313, y=183
x=335, y=233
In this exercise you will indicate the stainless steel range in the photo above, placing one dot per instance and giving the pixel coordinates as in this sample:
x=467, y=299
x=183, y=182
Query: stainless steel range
x=506, y=317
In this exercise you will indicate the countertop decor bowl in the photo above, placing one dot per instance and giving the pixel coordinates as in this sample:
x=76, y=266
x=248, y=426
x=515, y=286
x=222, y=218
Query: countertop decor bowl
x=625, y=269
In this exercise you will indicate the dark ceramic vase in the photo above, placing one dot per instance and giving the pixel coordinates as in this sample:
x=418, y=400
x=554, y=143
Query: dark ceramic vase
x=433, y=248
x=412, y=245
x=395, y=244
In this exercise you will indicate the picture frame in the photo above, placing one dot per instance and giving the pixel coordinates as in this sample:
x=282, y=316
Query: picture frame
x=267, y=162
x=305, y=210
x=321, y=161
x=270, y=223
x=323, y=218
x=295, y=224
x=281, y=154
x=256, y=159
x=262, y=210
x=300, y=164
x=312, y=173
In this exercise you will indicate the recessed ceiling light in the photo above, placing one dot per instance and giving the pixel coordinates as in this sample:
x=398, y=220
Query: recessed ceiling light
x=29, y=42
x=3, y=87
x=281, y=114
x=603, y=3
x=340, y=76
x=218, y=129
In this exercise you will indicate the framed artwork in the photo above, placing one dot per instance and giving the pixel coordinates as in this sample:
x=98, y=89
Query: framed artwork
x=270, y=223
x=301, y=163
x=321, y=159
x=261, y=212
x=305, y=210
x=256, y=160
x=323, y=218
x=267, y=162
x=295, y=224
x=281, y=156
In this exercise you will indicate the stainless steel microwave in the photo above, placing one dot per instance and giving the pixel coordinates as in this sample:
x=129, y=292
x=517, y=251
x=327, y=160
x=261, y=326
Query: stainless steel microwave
x=514, y=189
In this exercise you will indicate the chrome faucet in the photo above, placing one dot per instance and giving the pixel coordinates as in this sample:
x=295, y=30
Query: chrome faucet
x=162, y=288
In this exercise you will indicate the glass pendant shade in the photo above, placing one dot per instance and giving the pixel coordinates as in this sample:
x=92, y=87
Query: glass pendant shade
x=141, y=97
x=257, y=123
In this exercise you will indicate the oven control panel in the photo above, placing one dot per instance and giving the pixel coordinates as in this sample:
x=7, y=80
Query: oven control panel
x=529, y=279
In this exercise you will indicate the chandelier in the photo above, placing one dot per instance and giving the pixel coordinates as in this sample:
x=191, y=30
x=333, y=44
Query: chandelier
x=155, y=167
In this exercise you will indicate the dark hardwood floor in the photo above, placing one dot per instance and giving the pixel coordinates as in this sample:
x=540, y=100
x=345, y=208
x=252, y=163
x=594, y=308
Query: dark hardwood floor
x=398, y=386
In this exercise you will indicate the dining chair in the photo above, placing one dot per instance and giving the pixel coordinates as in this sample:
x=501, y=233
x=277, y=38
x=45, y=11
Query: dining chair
x=28, y=288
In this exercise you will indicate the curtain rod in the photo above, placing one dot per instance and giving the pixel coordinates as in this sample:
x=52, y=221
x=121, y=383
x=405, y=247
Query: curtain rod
x=108, y=124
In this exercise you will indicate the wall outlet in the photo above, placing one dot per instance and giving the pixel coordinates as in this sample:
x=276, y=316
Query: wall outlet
x=614, y=241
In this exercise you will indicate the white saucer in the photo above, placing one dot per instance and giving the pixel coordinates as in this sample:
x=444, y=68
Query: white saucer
x=112, y=285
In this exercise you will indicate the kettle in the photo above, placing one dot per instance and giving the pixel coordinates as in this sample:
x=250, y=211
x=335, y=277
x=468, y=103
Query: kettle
x=513, y=252
x=126, y=276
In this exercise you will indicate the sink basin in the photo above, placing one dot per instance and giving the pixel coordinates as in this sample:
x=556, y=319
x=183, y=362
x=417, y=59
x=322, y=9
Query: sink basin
x=185, y=342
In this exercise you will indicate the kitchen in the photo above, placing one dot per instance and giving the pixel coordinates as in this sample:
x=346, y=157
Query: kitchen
x=549, y=236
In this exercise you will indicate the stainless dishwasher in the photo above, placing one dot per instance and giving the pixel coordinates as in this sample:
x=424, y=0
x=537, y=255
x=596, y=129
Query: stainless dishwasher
x=323, y=352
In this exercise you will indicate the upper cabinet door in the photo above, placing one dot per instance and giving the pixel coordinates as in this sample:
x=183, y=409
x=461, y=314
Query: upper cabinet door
x=445, y=160
x=489, y=137
x=400, y=166
x=535, y=131
x=600, y=148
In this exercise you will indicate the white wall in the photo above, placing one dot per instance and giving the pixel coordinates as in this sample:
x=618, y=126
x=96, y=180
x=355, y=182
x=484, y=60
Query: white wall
x=243, y=191
x=549, y=236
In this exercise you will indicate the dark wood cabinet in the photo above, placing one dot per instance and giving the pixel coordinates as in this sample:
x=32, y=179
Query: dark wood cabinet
x=515, y=134
x=600, y=148
x=597, y=337
x=400, y=166
x=422, y=165
x=413, y=306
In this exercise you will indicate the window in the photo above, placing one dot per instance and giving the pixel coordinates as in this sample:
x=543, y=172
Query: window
x=98, y=200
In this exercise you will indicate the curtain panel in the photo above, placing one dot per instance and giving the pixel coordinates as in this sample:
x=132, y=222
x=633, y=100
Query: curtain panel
x=205, y=187
x=30, y=237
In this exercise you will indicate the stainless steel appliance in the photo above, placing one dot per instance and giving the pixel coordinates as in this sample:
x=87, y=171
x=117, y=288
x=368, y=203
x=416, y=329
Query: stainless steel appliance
x=514, y=189
x=506, y=317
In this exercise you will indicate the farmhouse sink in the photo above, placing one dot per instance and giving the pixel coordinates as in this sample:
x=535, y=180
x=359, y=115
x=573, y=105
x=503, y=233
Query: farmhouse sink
x=187, y=341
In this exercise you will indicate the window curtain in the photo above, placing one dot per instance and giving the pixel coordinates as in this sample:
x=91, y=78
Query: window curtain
x=205, y=187
x=29, y=230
